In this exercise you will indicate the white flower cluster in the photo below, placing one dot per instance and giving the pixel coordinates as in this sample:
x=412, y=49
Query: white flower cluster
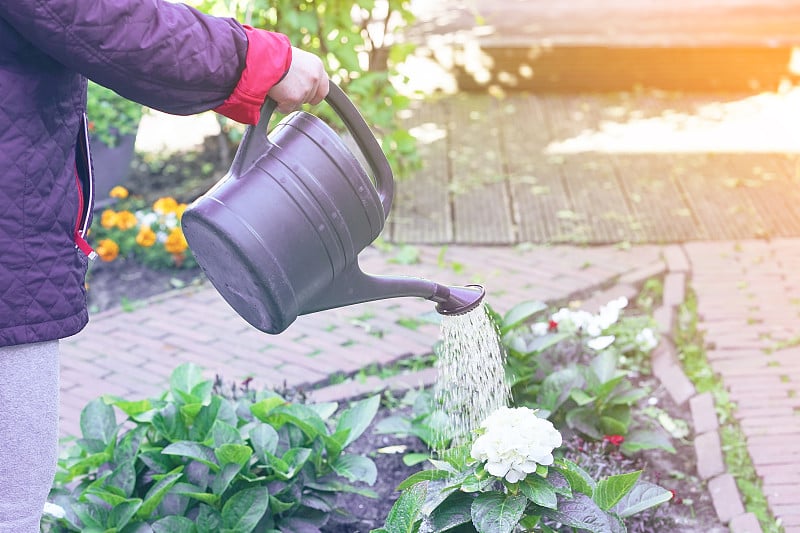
x=514, y=441
x=583, y=321
x=165, y=222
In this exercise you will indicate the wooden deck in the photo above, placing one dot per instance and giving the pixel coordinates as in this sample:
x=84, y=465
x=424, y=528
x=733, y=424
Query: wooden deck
x=636, y=167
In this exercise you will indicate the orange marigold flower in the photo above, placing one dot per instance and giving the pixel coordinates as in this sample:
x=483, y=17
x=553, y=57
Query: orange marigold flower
x=126, y=220
x=108, y=219
x=107, y=249
x=165, y=205
x=176, y=242
x=146, y=237
x=119, y=192
x=179, y=210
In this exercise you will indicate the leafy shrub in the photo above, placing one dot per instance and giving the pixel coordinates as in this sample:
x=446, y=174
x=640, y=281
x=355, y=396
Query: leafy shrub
x=197, y=461
x=110, y=115
x=359, y=43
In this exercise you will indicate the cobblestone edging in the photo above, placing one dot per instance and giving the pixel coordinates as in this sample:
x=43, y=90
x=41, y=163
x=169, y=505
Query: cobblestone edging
x=667, y=368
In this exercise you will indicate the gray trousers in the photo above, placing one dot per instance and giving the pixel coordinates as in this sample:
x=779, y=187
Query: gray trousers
x=28, y=433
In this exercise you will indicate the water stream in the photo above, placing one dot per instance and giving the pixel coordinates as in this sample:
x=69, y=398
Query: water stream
x=471, y=380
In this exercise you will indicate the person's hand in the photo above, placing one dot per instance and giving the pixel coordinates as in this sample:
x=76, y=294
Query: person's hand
x=305, y=83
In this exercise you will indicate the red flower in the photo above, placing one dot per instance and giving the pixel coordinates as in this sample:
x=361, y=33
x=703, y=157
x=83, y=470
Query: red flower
x=616, y=440
x=675, y=497
x=552, y=325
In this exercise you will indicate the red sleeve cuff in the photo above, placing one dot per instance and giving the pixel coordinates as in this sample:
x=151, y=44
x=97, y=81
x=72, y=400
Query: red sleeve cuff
x=269, y=56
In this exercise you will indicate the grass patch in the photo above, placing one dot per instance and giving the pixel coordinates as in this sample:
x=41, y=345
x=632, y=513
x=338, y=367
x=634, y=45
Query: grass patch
x=689, y=342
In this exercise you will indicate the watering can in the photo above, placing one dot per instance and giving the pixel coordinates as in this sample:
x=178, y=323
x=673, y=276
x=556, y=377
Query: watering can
x=279, y=235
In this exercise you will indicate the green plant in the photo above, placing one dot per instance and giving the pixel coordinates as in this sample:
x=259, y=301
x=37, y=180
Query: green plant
x=110, y=115
x=194, y=460
x=556, y=364
x=423, y=422
x=358, y=41
x=461, y=494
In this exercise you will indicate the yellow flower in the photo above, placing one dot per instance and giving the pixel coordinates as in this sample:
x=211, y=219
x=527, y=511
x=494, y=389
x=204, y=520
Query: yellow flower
x=146, y=237
x=109, y=219
x=126, y=220
x=179, y=210
x=176, y=242
x=165, y=205
x=119, y=192
x=107, y=249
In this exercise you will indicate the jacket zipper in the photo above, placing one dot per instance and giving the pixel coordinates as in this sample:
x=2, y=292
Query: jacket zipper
x=80, y=232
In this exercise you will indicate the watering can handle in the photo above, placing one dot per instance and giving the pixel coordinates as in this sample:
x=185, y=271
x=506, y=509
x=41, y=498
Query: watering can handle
x=341, y=104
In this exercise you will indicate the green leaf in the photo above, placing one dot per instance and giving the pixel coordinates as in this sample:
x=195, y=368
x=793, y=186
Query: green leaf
x=122, y=513
x=184, y=379
x=605, y=365
x=611, y=489
x=584, y=420
x=295, y=459
x=223, y=478
x=208, y=519
x=454, y=511
x=224, y=433
x=205, y=419
x=174, y=524
x=193, y=450
x=495, y=512
x=243, y=510
x=413, y=459
x=156, y=493
x=612, y=426
x=356, y=468
x=263, y=408
x=406, y=510
x=539, y=491
x=169, y=422
x=422, y=475
x=131, y=409
x=98, y=422
x=123, y=477
x=205, y=497
x=519, y=313
x=264, y=439
x=578, y=478
x=580, y=397
x=643, y=439
x=642, y=496
x=238, y=454
x=358, y=417
x=582, y=513
x=301, y=416
x=325, y=410
x=556, y=387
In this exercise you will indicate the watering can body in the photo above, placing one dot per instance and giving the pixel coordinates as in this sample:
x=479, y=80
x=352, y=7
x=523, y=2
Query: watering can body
x=279, y=235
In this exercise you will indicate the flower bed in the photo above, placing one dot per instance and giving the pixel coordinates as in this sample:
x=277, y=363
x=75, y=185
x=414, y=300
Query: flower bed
x=617, y=464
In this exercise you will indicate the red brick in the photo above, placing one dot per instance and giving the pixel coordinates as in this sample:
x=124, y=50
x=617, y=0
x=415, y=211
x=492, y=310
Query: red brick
x=709, y=455
x=704, y=415
x=745, y=523
x=725, y=497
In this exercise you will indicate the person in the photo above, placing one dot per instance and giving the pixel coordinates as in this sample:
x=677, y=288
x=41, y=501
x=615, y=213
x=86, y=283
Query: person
x=167, y=56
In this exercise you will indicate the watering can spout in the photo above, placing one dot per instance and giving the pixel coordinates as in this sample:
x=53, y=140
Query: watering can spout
x=357, y=287
x=457, y=300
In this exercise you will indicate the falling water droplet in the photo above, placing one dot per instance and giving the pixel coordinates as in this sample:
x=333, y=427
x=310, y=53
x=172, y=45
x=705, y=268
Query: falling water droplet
x=471, y=380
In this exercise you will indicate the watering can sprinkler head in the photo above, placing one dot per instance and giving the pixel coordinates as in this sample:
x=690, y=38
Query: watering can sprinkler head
x=455, y=300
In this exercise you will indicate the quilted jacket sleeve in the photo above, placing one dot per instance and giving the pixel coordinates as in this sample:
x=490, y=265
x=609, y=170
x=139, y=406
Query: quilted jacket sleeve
x=165, y=55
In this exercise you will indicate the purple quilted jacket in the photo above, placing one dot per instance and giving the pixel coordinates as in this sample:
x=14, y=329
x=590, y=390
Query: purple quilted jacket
x=167, y=56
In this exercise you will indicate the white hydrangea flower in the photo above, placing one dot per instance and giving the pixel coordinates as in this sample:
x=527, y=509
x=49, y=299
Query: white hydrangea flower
x=515, y=440
x=600, y=343
x=540, y=329
x=646, y=340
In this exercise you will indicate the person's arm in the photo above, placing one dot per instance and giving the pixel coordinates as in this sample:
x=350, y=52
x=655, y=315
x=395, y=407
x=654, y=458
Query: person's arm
x=167, y=56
